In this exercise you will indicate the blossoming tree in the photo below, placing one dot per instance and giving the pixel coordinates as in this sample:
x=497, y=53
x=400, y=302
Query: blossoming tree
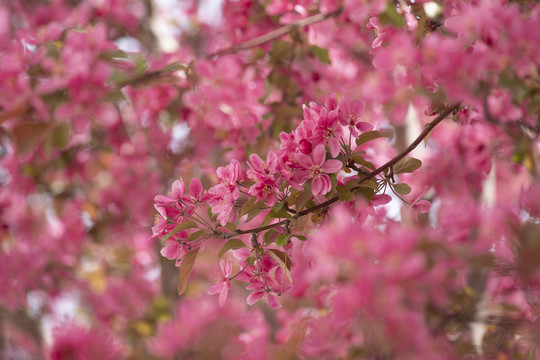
x=353, y=179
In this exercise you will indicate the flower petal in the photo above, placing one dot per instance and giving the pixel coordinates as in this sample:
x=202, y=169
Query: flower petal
x=316, y=186
x=318, y=155
x=273, y=301
x=304, y=160
x=195, y=188
x=171, y=251
x=422, y=206
x=331, y=101
x=178, y=189
x=215, y=289
x=380, y=199
x=254, y=297
x=333, y=144
x=331, y=166
x=326, y=184
x=223, y=293
x=364, y=126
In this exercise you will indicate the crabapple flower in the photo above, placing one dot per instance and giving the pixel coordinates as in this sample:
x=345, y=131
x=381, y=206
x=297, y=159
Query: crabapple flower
x=317, y=166
x=259, y=293
x=175, y=250
x=177, y=191
x=260, y=169
x=226, y=191
x=222, y=203
x=265, y=189
x=327, y=130
x=263, y=173
x=349, y=115
x=331, y=102
x=229, y=175
x=223, y=285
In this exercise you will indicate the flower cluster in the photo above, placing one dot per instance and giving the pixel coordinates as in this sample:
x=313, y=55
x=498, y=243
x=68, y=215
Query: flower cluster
x=303, y=176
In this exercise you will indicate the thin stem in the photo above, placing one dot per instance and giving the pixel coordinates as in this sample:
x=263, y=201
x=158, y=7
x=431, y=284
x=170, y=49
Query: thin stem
x=194, y=212
x=239, y=272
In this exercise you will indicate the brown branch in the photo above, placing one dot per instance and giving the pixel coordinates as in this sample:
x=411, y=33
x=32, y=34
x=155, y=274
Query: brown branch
x=260, y=40
x=272, y=35
x=414, y=144
x=371, y=175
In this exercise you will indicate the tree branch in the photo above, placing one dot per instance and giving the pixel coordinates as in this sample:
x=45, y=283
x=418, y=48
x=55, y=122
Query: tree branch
x=414, y=144
x=263, y=39
x=371, y=175
x=274, y=34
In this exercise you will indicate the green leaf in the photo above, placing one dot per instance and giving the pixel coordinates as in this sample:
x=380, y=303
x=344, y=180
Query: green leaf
x=172, y=67
x=301, y=200
x=247, y=183
x=281, y=50
x=371, y=184
x=196, y=235
x=427, y=136
x=391, y=17
x=367, y=193
x=407, y=165
x=253, y=213
x=267, y=237
x=359, y=159
x=282, y=239
x=140, y=63
x=320, y=53
x=27, y=135
x=114, y=96
x=61, y=136
x=251, y=260
x=402, y=188
x=283, y=260
x=346, y=196
x=348, y=185
x=345, y=192
x=182, y=226
x=230, y=226
x=368, y=136
x=185, y=269
x=248, y=206
x=300, y=237
x=232, y=244
x=113, y=54
x=277, y=207
x=275, y=215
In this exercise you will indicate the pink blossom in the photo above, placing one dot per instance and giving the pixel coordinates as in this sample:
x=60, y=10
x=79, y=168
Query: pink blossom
x=195, y=189
x=73, y=341
x=221, y=203
x=331, y=102
x=223, y=285
x=261, y=292
x=260, y=169
x=175, y=248
x=317, y=166
x=327, y=131
x=265, y=188
x=229, y=176
x=349, y=114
